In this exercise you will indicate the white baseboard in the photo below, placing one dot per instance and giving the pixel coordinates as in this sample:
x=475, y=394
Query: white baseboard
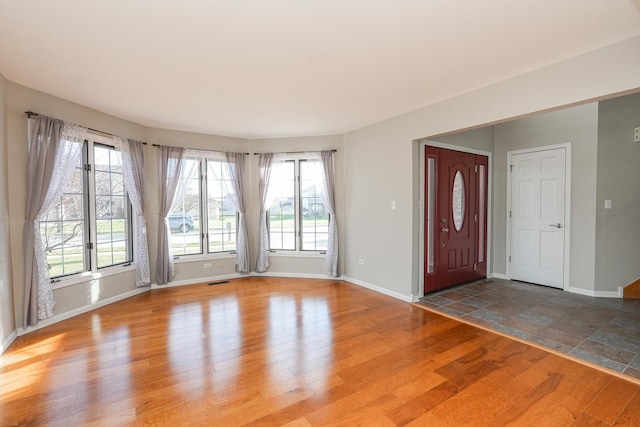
x=385, y=291
x=7, y=341
x=598, y=294
x=81, y=310
x=198, y=280
x=295, y=275
x=497, y=276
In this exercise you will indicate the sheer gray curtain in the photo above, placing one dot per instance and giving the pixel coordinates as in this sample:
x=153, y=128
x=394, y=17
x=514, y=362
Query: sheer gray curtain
x=329, y=200
x=133, y=172
x=170, y=169
x=266, y=162
x=55, y=148
x=235, y=170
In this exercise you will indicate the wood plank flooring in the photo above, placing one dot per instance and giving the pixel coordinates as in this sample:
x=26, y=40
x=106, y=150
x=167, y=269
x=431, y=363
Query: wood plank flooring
x=294, y=352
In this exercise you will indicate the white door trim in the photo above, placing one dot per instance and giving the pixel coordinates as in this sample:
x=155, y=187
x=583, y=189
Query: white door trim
x=489, y=155
x=567, y=206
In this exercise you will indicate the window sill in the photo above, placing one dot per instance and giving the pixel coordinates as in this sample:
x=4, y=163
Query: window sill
x=295, y=254
x=89, y=276
x=196, y=258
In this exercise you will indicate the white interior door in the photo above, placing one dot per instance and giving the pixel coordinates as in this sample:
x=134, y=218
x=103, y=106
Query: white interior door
x=537, y=213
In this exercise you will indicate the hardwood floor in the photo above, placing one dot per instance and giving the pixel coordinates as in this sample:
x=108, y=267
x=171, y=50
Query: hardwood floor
x=271, y=351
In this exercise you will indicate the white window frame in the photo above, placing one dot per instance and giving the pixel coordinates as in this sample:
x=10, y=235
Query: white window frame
x=204, y=218
x=90, y=224
x=298, y=216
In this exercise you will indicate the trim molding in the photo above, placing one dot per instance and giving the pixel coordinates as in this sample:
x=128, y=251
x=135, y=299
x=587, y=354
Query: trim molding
x=497, y=276
x=8, y=341
x=598, y=294
x=196, y=281
x=81, y=310
x=380, y=290
x=294, y=275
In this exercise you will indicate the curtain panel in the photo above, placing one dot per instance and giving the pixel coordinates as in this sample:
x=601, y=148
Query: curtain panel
x=265, y=162
x=133, y=172
x=55, y=148
x=329, y=200
x=235, y=170
x=170, y=169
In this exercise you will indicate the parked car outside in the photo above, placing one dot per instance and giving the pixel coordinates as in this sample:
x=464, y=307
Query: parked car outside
x=181, y=223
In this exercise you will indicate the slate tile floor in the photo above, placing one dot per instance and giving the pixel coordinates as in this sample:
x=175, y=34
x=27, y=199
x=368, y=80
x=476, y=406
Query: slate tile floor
x=604, y=331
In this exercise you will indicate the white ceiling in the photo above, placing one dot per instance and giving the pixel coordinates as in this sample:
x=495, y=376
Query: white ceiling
x=258, y=68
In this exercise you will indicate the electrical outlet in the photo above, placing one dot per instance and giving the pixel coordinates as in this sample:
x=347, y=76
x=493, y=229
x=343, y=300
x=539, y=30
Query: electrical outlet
x=207, y=265
x=220, y=264
x=636, y=134
x=360, y=261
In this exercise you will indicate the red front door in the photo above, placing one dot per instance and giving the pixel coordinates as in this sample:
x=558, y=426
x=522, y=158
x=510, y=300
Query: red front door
x=455, y=223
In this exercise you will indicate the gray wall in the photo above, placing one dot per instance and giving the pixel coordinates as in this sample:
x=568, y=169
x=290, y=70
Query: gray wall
x=381, y=162
x=578, y=126
x=73, y=298
x=618, y=228
x=376, y=164
x=7, y=323
x=480, y=139
x=282, y=263
x=188, y=268
x=20, y=99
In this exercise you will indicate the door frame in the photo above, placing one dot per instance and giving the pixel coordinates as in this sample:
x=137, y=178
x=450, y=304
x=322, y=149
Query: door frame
x=422, y=243
x=567, y=206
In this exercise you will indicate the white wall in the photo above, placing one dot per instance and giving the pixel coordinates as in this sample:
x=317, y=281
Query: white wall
x=380, y=162
x=7, y=322
x=618, y=229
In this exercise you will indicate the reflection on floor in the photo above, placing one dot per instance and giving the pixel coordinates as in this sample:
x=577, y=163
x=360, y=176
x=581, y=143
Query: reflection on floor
x=605, y=331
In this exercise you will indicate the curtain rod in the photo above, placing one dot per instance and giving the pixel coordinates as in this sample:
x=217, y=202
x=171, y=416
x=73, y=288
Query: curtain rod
x=32, y=114
x=297, y=152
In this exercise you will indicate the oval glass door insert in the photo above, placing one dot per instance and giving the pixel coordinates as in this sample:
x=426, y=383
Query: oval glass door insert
x=458, y=201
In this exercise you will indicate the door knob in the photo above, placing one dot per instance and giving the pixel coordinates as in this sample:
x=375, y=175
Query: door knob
x=558, y=225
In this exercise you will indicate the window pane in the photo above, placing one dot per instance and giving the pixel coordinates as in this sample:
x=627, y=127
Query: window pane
x=458, y=201
x=184, y=221
x=315, y=218
x=481, y=212
x=113, y=217
x=281, y=216
x=63, y=231
x=431, y=213
x=222, y=217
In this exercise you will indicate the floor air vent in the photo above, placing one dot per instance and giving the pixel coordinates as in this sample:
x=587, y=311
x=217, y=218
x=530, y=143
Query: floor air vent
x=218, y=282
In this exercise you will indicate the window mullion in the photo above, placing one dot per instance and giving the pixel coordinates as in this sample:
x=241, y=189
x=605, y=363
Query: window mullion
x=204, y=207
x=298, y=206
x=90, y=224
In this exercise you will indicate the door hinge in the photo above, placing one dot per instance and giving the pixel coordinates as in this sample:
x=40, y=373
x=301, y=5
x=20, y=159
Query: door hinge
x=509, y=258
x=511, y=168
x=476, y=168
x=89, y=245
x=475, y=217
x=87, y=167
x=475, y=267
x=509, y=214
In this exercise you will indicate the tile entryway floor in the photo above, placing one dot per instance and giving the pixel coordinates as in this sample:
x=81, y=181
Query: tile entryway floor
x=604, y=331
